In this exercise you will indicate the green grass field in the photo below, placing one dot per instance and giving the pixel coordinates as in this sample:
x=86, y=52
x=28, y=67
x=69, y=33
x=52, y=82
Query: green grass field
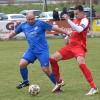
x=76, y=85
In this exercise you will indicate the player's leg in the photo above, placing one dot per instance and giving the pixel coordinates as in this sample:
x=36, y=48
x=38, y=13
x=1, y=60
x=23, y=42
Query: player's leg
x=54, y=65
x=44, y=61
x=55, y=69
x=48, y=72
x=24, y=74
x=27, y=58
x=62, y=54
x=87, y=73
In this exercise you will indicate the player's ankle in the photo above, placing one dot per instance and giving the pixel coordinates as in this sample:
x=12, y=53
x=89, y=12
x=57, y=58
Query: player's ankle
x=59, y=81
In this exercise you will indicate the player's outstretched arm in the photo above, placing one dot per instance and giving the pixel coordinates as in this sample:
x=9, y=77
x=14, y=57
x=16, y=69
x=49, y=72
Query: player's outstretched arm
x=61, y=30
x=8, y=36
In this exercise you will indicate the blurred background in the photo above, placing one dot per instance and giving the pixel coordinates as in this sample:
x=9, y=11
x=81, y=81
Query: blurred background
x=12, y=12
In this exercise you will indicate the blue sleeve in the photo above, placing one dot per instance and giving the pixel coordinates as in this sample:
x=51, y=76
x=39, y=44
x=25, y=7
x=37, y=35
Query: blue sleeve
x=18, y=29
x=46, y=26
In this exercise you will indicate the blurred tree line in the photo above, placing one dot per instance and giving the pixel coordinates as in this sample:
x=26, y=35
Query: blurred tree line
x=51, y=1
x=83, y=1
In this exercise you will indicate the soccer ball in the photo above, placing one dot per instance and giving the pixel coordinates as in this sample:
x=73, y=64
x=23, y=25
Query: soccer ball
x=34, y=89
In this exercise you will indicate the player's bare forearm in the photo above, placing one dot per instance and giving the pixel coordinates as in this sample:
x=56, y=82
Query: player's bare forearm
x=11, y=35
x=57, y=29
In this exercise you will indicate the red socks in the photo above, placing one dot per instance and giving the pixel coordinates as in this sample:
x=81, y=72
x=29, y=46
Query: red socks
x=83, y=67
x=87, y=75
x=55, y=69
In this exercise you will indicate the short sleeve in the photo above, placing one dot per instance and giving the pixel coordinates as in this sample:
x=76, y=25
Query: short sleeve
x=46, y=26
x=18, y=29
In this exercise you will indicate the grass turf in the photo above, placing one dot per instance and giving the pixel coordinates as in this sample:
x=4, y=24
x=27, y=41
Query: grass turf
x=76, y=85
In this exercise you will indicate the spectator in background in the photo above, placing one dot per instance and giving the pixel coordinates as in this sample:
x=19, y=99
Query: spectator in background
x=64, y=11
x=71, y=15
x=56, y=14
x=93, y=12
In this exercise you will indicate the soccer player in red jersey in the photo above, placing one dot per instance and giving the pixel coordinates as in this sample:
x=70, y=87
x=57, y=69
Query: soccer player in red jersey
x=75, y=48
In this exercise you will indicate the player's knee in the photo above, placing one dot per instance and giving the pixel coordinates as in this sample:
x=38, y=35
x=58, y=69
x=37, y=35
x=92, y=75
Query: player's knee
x=56, y=57
x=46, y=70
x=23, y=63
x=81, y=60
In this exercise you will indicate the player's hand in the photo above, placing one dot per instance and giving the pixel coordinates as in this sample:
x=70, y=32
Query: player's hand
x=66, y=39
x=65, y=16
x=5, y=37
x=69, y=31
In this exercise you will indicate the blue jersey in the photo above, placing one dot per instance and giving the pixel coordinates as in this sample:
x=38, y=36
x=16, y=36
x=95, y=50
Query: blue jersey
x=35, y=34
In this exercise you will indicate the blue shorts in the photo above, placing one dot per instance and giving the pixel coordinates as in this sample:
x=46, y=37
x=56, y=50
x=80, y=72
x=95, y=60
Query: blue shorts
x=42, y=57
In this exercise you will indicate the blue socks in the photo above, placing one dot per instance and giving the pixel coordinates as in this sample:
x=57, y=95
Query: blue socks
x=52, y=78
x=24, y=74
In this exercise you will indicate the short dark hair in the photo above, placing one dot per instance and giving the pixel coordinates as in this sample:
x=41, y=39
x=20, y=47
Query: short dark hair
x=79, y=7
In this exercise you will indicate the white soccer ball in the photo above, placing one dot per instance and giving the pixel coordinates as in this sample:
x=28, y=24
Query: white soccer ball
x=34, y=89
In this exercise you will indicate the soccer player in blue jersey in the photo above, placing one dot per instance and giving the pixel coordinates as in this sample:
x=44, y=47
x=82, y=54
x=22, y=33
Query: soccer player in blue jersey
x=34, y=31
